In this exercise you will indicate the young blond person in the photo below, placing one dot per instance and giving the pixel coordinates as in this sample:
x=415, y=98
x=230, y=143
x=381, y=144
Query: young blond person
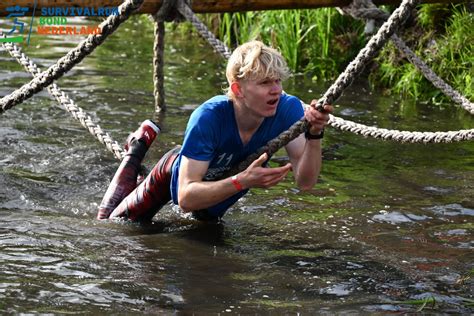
x=221, y=133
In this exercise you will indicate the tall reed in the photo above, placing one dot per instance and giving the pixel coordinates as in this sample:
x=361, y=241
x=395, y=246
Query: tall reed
x=310, y=40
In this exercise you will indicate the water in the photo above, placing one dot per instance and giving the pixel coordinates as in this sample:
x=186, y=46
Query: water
x=389, y=225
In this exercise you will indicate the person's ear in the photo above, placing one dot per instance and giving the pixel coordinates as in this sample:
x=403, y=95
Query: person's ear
x=236, y=89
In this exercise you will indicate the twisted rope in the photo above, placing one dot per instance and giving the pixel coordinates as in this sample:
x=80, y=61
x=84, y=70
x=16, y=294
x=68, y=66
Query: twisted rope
x=366, y=9
x=158, y=65
x=432, y=76
x=167, y=12
x=63, y=99
x=401, y=136
x=72, y=58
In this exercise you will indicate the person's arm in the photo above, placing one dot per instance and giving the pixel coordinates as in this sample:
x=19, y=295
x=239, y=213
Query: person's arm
x=305, y=157
x=195, y=194
x=305, y=154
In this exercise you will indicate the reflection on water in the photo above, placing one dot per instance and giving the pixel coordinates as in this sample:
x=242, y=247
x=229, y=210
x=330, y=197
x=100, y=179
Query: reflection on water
x=388, y=228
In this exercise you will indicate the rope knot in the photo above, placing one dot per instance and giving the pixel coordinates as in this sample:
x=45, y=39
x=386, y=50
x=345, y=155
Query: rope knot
x=169, y=12
x=365, y=10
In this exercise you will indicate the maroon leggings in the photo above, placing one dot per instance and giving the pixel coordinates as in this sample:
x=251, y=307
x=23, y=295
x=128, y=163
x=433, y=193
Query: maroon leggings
x=151, y=195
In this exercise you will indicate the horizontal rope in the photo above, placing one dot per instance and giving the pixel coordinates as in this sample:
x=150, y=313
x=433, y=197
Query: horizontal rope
x=401, y=136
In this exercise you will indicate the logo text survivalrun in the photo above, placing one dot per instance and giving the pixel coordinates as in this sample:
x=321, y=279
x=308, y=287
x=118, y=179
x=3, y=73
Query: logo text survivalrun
x=53, y=20
x=78, y=11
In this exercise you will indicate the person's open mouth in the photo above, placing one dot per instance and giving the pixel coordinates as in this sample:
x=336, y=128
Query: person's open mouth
x=273, y=102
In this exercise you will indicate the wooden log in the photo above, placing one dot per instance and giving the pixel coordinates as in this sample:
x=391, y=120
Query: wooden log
x=198, y=6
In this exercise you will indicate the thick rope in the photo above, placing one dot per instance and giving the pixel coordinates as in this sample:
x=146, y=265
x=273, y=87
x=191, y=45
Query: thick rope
x=169, y=13
x=158, y=65
x=432, y=76
x=368, y=52
x=366, y=9
x=401, y=136
x=63, y=99
x=72, y=58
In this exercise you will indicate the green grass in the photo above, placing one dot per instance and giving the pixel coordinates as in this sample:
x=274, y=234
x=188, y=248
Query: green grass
x=422, y=303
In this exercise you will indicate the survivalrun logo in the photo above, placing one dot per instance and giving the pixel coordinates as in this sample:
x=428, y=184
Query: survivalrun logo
x=22, y=21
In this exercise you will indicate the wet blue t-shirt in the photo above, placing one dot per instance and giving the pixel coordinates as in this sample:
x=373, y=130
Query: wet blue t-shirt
x=212, y=135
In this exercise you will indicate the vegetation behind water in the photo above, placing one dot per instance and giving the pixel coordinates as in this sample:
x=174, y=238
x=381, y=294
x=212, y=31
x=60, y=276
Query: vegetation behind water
x=318, y=42
x=443, y=36
x=321, y=42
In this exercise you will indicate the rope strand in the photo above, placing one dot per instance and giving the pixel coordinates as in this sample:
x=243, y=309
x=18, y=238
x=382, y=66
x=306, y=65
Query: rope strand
x=219, y=46
x=432, y=76
x=401, y=136
x=158, y=65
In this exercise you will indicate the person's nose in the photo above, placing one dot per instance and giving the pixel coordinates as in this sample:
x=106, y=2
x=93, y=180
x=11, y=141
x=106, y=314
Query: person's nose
x=276, y=87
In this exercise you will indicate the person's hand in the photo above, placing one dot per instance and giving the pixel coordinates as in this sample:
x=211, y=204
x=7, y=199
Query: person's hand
x=259, y=177
x=317, y=120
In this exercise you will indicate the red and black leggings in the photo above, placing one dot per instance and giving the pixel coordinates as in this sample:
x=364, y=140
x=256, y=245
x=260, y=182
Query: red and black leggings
x=125, y=199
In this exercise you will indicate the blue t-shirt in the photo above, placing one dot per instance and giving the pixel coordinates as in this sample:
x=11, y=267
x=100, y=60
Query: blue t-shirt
x=212, y=135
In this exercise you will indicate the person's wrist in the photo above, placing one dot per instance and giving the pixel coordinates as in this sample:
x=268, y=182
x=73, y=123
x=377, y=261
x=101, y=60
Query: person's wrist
x=310, y=136
x=236, y=183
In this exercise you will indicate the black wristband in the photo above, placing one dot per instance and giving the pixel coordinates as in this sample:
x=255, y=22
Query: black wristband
x=308, y=135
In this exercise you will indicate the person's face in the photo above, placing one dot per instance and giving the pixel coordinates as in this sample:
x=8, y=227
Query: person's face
x=261, y=96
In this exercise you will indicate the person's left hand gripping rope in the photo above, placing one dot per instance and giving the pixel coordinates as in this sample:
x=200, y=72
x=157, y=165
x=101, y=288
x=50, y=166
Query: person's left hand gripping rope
x=317, y=119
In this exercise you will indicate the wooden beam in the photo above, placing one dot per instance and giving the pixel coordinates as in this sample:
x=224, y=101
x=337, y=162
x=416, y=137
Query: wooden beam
x=198, y=6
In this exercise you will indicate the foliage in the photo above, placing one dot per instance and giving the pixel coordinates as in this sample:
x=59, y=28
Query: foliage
x=320, y=42
x=450, y=55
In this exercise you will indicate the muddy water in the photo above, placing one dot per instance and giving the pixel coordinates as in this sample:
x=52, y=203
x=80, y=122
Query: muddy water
x=389, y=227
